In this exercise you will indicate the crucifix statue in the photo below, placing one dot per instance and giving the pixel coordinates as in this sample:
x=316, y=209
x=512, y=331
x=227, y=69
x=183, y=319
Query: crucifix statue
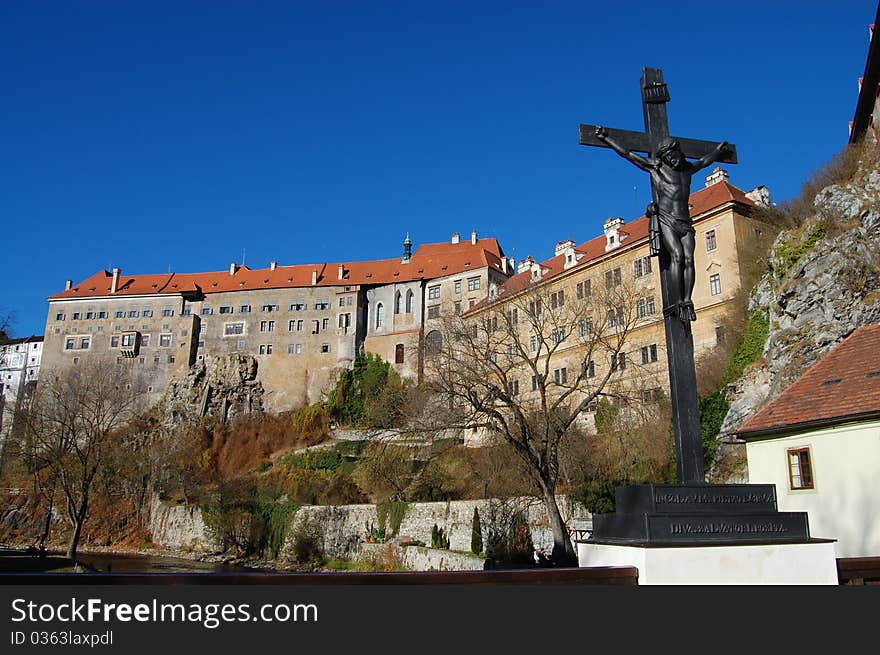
x=672, y=240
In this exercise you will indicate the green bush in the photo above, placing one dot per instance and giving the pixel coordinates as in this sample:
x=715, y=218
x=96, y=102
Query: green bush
x=439, y=539
x=316, y=460
x=248, y=519
x=358, y=390
x=713, y=409
x=476, y=534
x=751, y=346
x=307, y=544
x=792, y=249
x=605, y=415
x=391, y=514
x=597, y=495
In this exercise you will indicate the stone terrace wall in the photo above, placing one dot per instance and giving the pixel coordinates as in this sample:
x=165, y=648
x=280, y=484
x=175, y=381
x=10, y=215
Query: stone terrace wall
x=418, y=558
x=345, y=526
x=181, y=527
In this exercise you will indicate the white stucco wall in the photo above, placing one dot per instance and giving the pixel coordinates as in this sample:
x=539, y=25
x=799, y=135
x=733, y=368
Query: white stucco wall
x=844, y=503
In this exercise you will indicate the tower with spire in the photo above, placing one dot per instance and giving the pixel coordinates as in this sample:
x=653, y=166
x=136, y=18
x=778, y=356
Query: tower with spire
x=407, y=250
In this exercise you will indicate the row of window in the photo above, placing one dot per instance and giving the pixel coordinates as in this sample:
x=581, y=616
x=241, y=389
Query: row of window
x=293, y=325
x=292, y=348
x=129, y=340
x=119, y=313
x=296, y=306
x=473, y=284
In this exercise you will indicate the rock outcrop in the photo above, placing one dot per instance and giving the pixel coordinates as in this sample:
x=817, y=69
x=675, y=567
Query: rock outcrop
x=822, y=282
x=220, y=387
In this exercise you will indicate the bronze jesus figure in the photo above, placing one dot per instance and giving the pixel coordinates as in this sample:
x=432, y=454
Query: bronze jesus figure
x=669, y=213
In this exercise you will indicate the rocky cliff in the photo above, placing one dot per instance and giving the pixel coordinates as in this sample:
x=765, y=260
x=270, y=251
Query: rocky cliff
x=222, y=387
x=822, y=282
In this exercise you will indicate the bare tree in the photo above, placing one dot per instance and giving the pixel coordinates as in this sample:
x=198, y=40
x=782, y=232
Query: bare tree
x=74, y=420
x=530, y=369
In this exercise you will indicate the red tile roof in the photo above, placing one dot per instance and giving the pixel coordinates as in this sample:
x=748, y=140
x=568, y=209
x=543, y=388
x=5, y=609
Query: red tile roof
x=843, y=385
x=429, y=261
x=701, y=201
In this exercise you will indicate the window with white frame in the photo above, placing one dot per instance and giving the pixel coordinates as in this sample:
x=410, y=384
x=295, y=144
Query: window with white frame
x=560, y=375
x=589, y=369
x=641, y=267
x=649, y=353
x=715, y=284
x=230, y=329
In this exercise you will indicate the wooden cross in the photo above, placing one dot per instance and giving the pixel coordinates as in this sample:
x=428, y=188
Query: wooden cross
x=679, y=338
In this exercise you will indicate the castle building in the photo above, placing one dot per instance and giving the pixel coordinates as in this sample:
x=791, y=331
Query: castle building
x=556, y=308
x=302, y=323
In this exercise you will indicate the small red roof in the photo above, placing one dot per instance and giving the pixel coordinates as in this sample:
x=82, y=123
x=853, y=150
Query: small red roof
x=842, y=385
x=429, y=261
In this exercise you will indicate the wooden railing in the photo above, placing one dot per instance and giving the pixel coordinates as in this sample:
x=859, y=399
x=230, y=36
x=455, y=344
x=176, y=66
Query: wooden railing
x=858, y=570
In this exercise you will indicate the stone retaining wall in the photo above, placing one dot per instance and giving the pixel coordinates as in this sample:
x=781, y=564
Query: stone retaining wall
x=418, y=558
x=345, y=527
x=179, y=527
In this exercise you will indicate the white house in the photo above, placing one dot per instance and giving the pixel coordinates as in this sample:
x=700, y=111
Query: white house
x=19, y=371
x=819, y=443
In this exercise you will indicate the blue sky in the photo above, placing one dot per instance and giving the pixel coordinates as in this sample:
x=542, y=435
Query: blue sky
x=179, y=135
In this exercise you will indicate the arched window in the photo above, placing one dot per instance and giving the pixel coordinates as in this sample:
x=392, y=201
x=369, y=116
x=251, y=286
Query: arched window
x=398, y=303
x=409, y=301
x=380, y=315
x=433, y=343
x=398, y=354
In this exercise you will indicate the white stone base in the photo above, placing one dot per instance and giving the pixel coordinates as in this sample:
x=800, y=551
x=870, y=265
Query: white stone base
x=811, y=563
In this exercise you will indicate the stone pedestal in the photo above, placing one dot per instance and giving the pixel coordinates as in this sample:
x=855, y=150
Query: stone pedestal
x=708, y=534
x=694, y=514
x=811, y=563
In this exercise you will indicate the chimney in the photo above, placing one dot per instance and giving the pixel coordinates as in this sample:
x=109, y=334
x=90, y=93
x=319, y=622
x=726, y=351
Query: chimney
x=273, y=266
x=115, y=282
x=474, y=238
x=456, y=237
x=612, y=237
x=314, y=278
x=562, y=246
x=340, y=272
x=68, y=285
x=525, y=264
x=407, y=250
x=232, y=268
x=716, y=176
x=504, y=265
